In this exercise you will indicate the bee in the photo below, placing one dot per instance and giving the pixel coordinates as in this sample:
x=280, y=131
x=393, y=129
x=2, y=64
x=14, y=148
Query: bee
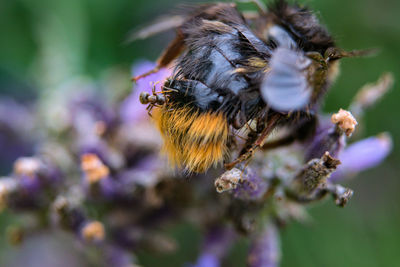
x=237, y=70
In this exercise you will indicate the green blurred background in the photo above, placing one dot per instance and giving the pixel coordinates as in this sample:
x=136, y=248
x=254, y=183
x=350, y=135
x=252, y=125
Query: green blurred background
x=45, y=42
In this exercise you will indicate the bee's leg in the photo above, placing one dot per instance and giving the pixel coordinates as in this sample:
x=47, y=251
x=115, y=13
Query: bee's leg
x=149, y=108
x=251, y=139
x=260, y=140
x=170, y=53
x=243, y=157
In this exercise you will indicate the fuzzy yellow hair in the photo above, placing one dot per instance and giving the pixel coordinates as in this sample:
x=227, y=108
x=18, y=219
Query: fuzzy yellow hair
x=192, y=139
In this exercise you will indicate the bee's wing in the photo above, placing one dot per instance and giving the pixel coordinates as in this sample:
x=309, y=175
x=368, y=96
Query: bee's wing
x=160, y=25
x=285, y=86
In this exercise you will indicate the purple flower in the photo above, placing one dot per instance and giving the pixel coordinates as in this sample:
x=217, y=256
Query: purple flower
x=131, y=109
x=89, y=108
x=363, y=155
x=90, y=119
x=252, y=187
x=326, y=140
x=31, y=179
x=118, y=257
x=96, y=177
x=100, y=184
x=215, y=245
x=29, y=184
x=145, y=173
x=265, y=248
x=207, y=260
x=67, y=213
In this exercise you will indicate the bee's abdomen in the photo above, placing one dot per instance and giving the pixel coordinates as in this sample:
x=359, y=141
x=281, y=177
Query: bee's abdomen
x=192, y=139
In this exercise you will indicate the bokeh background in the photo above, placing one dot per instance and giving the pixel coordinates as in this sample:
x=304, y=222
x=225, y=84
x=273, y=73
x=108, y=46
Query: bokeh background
x=46, y=42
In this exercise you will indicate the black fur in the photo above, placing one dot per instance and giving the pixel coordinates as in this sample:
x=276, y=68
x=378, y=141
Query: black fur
x=219, y=42
x=303, y=25
x=215, y=49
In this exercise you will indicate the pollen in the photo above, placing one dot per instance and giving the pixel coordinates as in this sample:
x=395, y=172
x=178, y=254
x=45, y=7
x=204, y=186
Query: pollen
x=192, y=139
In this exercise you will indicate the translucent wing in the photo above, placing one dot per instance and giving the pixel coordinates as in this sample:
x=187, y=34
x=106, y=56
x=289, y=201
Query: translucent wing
x=160, y=25
x=285, y=86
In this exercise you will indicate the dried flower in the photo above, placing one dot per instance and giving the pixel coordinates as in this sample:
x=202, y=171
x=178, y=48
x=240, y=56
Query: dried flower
x=314, y=174
x=341, y=194
x=345, y=121
x=229, y=180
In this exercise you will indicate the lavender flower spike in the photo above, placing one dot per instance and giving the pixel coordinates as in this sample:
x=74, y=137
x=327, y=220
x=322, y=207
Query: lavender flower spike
x=265, y=249
x=363, y=155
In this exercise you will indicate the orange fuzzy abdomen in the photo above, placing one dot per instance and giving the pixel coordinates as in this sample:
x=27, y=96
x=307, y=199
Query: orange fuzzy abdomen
x=193, y=140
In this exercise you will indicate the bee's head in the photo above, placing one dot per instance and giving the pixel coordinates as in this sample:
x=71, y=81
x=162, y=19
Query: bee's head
x=296, y=79
x=303, y=59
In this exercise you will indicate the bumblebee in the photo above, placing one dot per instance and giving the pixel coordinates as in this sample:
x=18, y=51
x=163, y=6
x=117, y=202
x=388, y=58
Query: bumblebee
x=234, y=70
